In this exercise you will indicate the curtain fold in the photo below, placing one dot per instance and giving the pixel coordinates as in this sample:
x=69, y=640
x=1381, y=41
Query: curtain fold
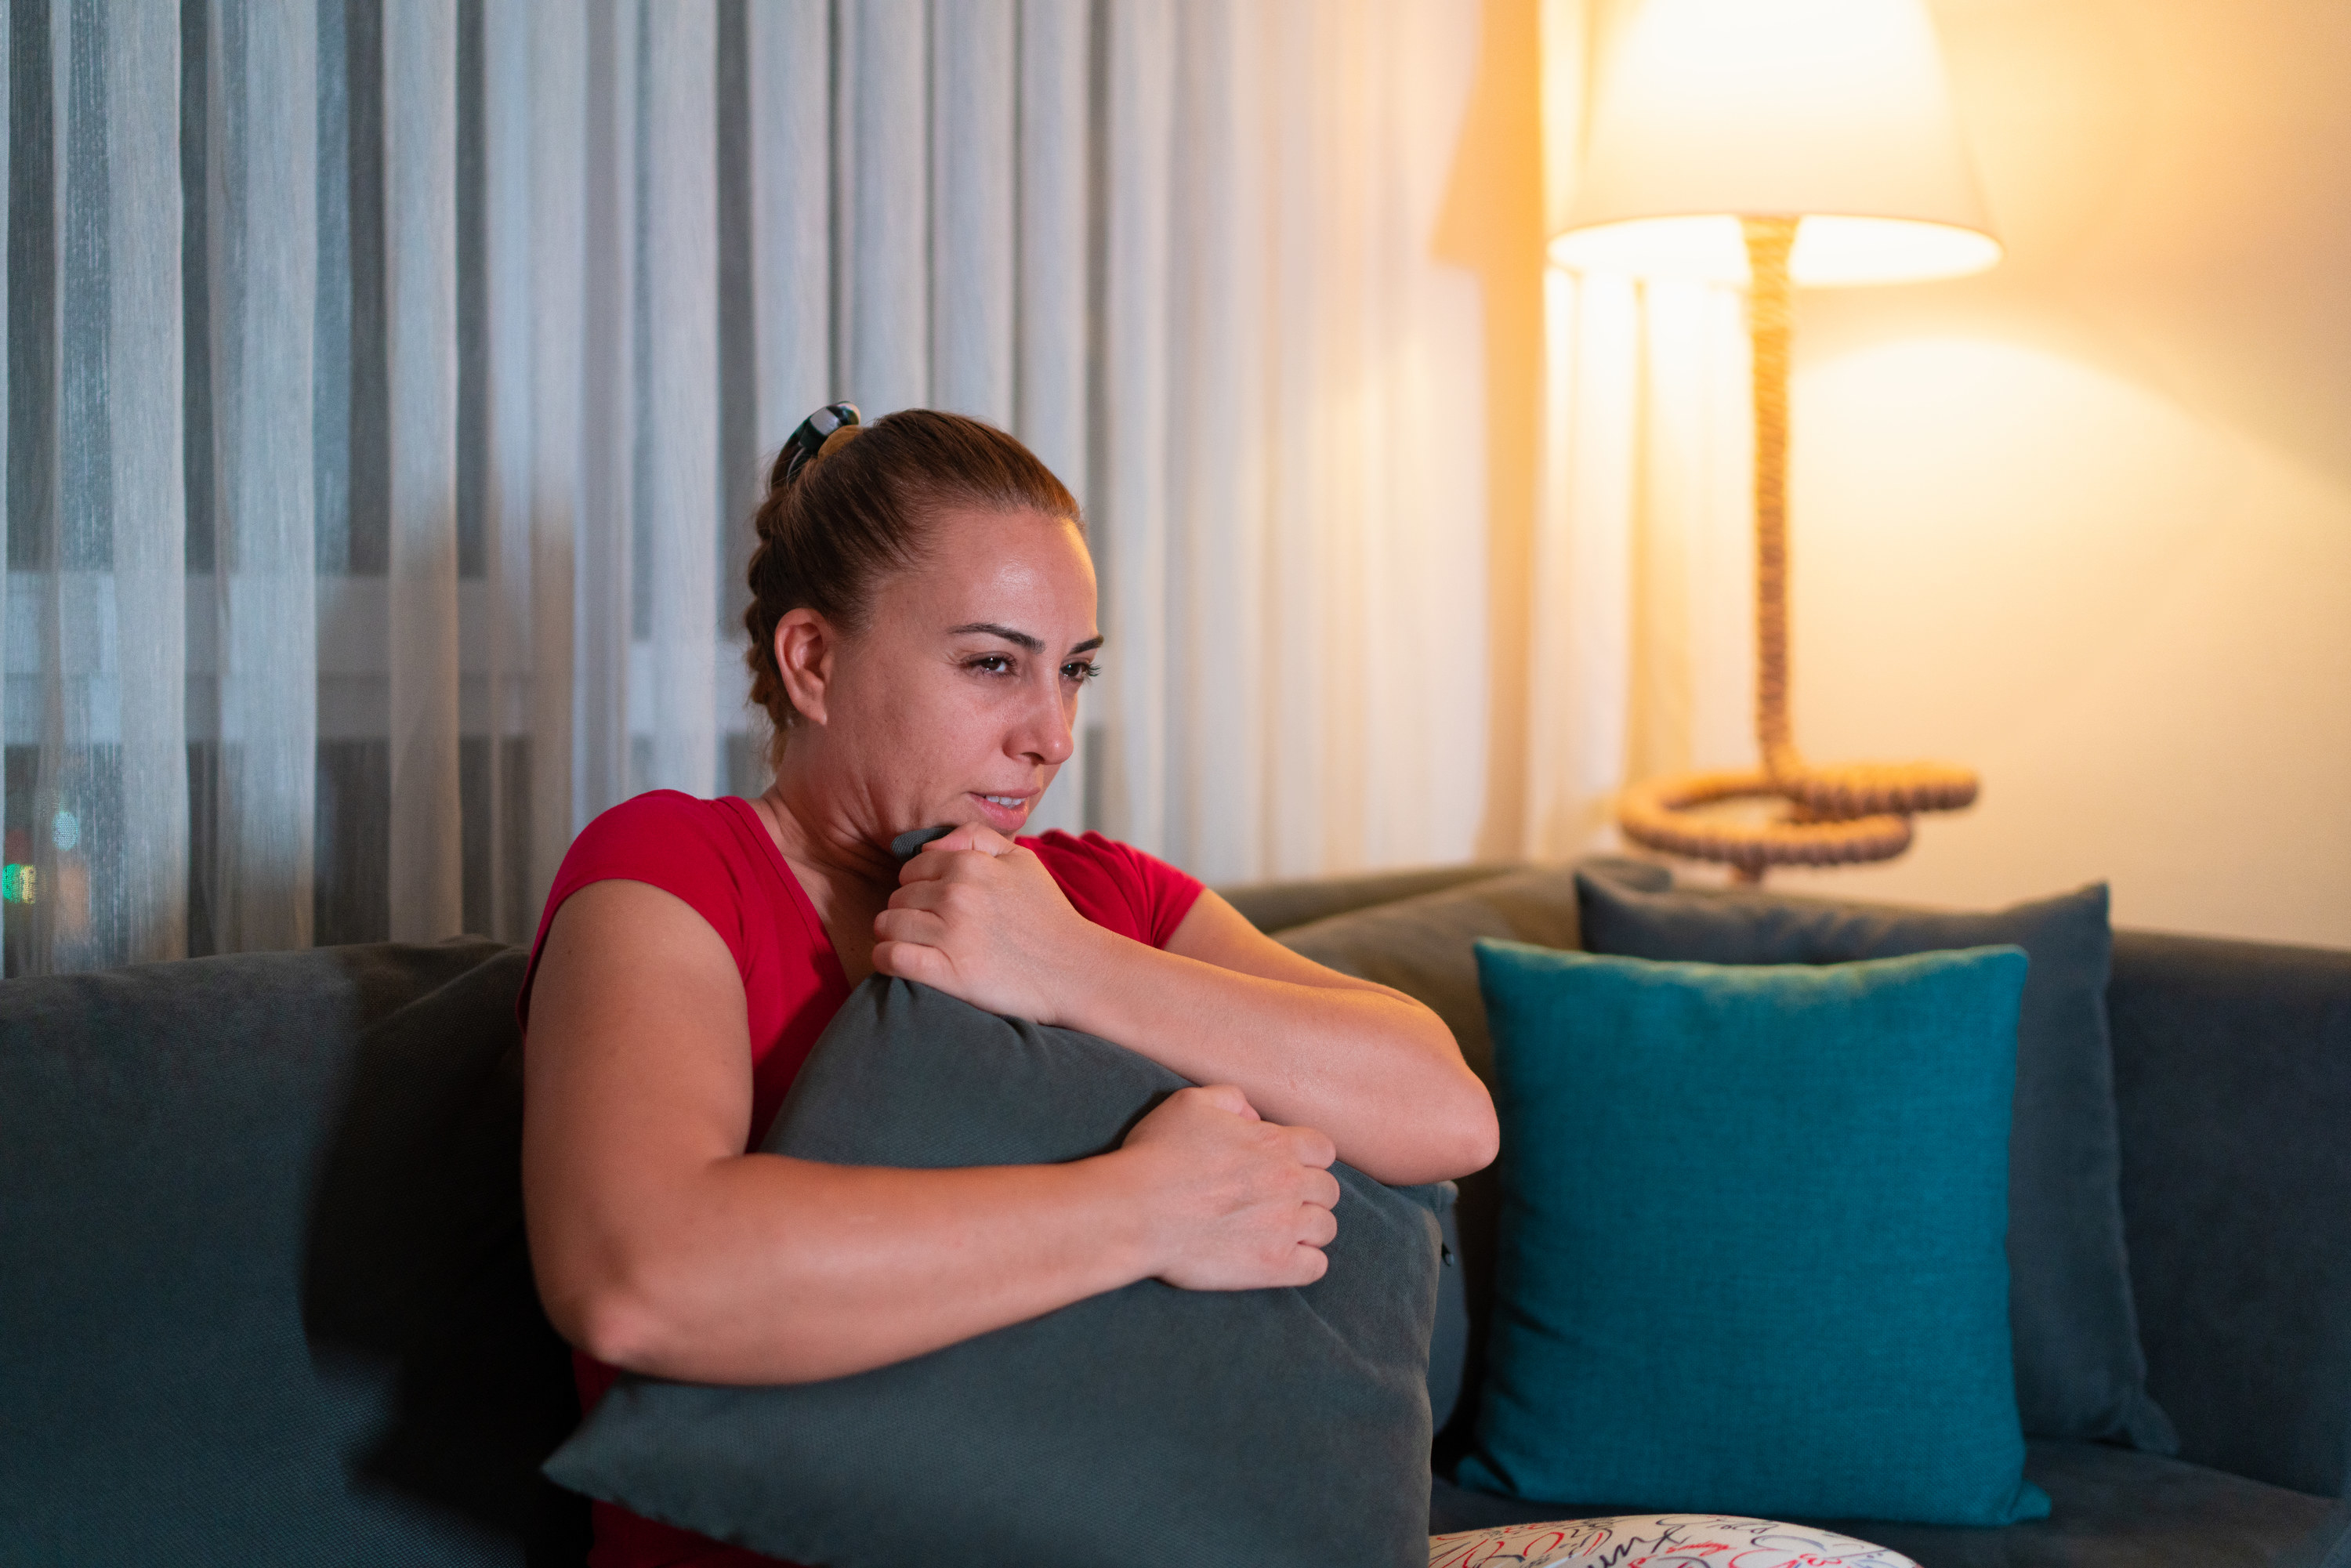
x=791, y=47
x=881, y=143
x=1052, y=230
x=15, y=848
x=386, y=383
x=549, y=268
x=1129, y=492
x=254, y=754
x=96, y=518
x=1218, y=307
x=678, y=494
x=427, y=824
x=1641, y=656
x=137, y=402
x=603, y=555
x=973, y=165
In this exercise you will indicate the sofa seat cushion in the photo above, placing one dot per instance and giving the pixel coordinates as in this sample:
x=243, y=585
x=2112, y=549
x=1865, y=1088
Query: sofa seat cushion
x=2111, y=1508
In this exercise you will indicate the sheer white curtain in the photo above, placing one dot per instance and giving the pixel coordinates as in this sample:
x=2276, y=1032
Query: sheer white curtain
x=96, y=602
x=388, y=384
x=1641, y=658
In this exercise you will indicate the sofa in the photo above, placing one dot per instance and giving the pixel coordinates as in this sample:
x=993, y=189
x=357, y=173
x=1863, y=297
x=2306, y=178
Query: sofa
x=265, y=1297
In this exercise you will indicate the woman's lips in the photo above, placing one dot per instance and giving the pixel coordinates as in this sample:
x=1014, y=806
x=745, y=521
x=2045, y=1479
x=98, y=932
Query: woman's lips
x=1004, y=819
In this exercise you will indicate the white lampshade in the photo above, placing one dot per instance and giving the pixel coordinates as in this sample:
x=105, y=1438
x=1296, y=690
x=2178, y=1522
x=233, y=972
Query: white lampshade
x=1834, y=111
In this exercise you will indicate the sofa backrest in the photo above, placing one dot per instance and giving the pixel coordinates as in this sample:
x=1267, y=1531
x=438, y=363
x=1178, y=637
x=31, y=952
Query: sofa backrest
x=1280, y=905
x=2232, y=1074
x=264, y=1297
x=2232, y=1078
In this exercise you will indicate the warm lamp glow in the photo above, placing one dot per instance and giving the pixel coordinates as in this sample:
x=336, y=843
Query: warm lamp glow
x=1834, y=111
x=1773, y=143
x=1829, y=250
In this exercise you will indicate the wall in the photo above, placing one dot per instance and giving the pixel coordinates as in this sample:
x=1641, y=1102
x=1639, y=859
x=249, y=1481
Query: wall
x=2084, y=521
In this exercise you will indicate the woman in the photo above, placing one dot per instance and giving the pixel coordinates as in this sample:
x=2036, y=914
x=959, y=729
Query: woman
x=922, y=624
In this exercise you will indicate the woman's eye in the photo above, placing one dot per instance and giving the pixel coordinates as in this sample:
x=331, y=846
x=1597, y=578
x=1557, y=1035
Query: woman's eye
x=990, y=664
x=1080, y=671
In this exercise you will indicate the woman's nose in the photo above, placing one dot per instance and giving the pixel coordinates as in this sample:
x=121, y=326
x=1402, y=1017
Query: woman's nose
x=1047, y=735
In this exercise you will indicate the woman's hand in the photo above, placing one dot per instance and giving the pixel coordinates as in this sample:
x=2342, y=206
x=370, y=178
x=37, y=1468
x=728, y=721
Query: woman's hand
x=1239, y=1203
x=980, y=918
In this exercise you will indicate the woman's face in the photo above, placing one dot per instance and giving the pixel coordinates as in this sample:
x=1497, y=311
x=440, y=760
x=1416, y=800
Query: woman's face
x=957, y=701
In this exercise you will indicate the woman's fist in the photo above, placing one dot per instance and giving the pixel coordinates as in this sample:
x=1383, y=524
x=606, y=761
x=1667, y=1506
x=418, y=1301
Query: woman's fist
x=980, y=918
x=1237, y=1203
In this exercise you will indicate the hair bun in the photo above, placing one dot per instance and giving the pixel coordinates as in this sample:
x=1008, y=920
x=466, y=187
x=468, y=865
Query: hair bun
x=839, y=439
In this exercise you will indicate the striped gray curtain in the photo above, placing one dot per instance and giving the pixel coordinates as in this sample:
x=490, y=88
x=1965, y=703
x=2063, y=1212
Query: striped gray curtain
x=388, y=384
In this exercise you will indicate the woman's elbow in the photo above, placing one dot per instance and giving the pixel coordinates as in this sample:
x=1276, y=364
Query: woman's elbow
x=600, y=1289
x=1449, y=1135
x=1472, y=1135
x=1481, y=1135
x=607, y=1320
x=1461, y=1119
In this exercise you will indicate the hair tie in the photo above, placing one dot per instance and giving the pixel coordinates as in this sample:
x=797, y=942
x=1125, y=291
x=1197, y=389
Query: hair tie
x=811, y=440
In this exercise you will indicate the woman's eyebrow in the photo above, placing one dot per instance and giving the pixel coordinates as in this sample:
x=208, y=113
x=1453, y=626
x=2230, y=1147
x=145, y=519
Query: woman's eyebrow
x=1018, y=639
x=990, y=629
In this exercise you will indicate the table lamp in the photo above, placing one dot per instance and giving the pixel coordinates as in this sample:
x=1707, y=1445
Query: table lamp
x=1779, y=142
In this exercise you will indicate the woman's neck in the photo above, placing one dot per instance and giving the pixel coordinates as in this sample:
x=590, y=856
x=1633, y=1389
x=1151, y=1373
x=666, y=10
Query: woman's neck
x=847, y=877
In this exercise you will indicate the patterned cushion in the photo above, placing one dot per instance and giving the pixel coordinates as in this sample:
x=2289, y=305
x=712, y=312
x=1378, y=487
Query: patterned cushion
x=1660, y=1540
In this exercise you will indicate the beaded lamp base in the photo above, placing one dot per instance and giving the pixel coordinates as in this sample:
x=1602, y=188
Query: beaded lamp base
x=1845, y=814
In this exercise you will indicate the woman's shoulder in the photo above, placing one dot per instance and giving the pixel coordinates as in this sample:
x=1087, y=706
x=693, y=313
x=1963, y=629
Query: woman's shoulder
x=703, y=852
x=663, y=815
x=1117, y=885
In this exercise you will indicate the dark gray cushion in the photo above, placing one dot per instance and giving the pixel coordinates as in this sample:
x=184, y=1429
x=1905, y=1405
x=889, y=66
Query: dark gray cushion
x=1425, y=947
x=264, y=1297
x=2079, y=1369
x=1150, y=1426
x=2111, y=1508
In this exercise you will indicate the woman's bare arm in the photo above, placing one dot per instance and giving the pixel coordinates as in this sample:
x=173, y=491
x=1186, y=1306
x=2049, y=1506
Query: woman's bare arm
x=1371, y=1066
x=660, y=1246
x=1223, y=1004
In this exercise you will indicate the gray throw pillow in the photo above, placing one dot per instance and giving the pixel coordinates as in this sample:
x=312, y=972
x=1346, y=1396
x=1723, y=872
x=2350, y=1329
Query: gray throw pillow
x=2080, y=1371
x=1150, y=1426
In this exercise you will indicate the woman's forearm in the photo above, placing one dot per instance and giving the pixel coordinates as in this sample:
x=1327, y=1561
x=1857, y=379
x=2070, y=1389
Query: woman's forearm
x=1379, y=1074
x=982, y=919
x=760, y=1269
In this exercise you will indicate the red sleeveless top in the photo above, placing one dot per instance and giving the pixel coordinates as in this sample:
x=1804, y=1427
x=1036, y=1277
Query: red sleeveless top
x=717, y=856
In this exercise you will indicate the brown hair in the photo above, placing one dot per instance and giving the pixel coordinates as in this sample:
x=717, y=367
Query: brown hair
x=864, y=509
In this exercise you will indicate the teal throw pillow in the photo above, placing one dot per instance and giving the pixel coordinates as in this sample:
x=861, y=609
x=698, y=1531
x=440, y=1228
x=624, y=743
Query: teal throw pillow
x=1151, y=1426
x=2079, y=1369
x=1752, y=1228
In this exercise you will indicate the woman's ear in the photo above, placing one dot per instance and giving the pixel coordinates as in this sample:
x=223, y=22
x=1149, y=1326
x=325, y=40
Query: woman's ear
x=805, y=650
